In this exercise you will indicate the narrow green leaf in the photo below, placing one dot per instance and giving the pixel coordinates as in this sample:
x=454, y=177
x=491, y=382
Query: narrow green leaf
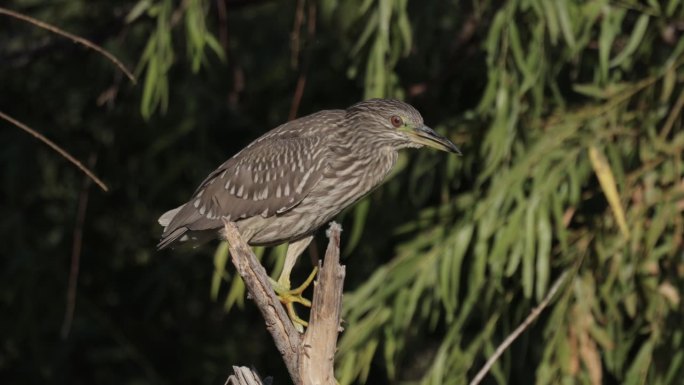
x=215, y=46
x=452, y=263
x=528, y=256
x=543, y=252
x=566, y=23
x=551, y=20
x=360, y=215
x=138, y=9
x=149, y=88
x=636, y=374
x=634, y=41
x=220, y=259
x=404, y=25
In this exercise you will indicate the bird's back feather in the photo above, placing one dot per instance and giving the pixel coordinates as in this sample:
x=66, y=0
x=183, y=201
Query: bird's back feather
x=267, y=178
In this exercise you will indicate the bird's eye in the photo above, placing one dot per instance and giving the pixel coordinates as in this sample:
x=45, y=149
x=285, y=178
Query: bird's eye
x=396, y=121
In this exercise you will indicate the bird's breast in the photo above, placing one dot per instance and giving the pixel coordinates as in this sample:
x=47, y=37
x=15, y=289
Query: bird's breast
x=345, y=180
x=348, y=179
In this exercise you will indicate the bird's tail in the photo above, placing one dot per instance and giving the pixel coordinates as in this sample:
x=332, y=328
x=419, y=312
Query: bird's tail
x=177, y=232
x=167, y=217
x=169, y=237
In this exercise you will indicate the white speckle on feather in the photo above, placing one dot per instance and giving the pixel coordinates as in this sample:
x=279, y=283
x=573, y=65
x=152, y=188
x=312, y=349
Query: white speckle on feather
x=202, y=210
x=300, y=187
x=197, y=203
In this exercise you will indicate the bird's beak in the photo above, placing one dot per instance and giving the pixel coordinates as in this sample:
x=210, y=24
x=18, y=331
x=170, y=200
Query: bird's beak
x=427, y=136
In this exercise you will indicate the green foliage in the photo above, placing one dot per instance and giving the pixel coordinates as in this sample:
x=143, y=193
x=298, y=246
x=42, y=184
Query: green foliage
x=384, y=37
x=158, y=56
x=535, y=209
x=569, y=115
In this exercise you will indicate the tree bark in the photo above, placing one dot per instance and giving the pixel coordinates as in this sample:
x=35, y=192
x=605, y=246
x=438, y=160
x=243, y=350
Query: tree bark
x=309, y=357
x=243, y=376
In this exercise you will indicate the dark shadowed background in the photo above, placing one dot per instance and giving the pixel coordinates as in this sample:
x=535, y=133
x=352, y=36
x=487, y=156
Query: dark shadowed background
x=569, y=115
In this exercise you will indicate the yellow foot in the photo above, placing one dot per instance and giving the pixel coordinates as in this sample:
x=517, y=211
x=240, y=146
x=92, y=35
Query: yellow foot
x=289, y=297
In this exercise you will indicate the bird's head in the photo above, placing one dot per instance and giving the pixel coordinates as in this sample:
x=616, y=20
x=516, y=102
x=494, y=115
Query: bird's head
x=398, y=124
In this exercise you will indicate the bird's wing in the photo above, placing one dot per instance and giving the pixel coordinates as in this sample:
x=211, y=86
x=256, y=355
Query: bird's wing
x=267, y=178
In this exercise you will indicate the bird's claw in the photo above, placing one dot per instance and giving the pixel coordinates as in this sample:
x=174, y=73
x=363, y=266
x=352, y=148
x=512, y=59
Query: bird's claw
x=288, y=297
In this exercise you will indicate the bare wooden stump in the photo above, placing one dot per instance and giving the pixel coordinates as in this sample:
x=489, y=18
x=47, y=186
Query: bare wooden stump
x=309, y=357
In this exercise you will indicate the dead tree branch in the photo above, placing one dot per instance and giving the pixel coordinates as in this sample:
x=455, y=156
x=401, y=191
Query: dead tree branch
x=309, y=358
x=320, y=339
x=243, y=376
x=285, y=336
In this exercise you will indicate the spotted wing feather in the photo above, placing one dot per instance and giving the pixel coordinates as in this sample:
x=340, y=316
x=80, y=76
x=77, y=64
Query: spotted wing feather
x=269, y=177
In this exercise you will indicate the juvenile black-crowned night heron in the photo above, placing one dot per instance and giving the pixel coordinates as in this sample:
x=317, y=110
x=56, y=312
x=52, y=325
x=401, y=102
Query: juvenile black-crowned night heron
x=298, y=176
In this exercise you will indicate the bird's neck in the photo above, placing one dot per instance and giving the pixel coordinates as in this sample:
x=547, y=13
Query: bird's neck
x=352, y=157
x=371, y=166
x=382, y=161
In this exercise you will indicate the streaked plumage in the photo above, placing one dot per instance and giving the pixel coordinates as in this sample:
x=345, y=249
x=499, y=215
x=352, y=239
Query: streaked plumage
x=297, y=177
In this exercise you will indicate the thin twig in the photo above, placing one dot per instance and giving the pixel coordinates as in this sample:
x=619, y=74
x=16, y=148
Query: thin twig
x=55, y=147
x=76, y=39
x=534, y=314
x=311, y=33
x=297, y=97
x=294, y=35
x=76, y=253
x=223, y=23
x=179, y=12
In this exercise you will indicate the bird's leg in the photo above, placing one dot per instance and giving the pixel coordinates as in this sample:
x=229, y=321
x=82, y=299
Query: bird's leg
x=282, y=287
x=294, y=250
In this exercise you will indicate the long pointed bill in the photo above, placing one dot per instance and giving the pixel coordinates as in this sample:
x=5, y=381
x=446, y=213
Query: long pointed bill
x=427, y=136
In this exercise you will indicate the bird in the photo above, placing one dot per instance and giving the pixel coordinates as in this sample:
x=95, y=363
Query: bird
x=292, y=180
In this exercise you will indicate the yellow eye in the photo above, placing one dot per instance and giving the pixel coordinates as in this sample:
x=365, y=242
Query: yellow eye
x=396, y=121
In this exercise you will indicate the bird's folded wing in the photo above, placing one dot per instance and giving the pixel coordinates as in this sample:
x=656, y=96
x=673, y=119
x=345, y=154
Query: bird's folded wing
x=267, y=178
